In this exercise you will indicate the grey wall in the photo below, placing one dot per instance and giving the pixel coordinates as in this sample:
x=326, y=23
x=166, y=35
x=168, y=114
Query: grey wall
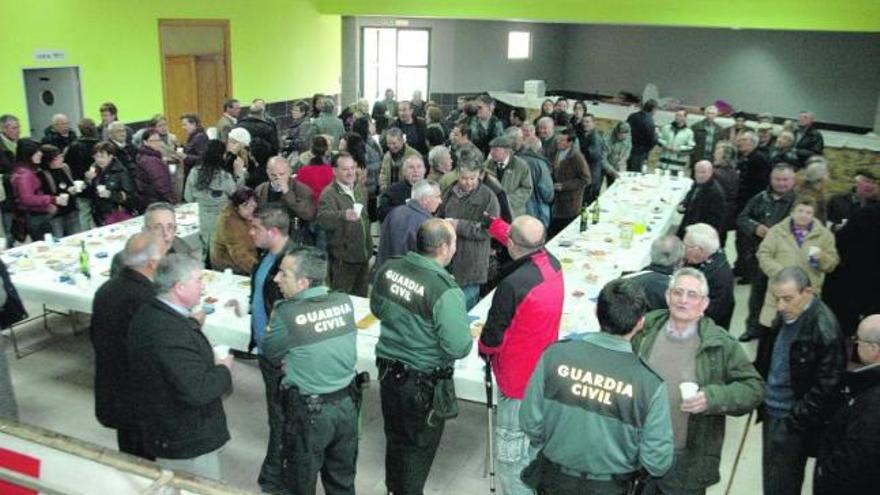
x=467, y=56
x=837, y=75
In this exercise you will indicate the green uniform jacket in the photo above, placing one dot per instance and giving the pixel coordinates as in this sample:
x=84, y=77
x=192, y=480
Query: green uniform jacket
x=732, y=387
x=424, y=320
x=594, y=407
x=313, y=334
x=346, y=241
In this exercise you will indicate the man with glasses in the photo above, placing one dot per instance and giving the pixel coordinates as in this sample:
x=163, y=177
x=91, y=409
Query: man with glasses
x=683, y=346
x=802, y=358
x=160, y=220
x=850, y=453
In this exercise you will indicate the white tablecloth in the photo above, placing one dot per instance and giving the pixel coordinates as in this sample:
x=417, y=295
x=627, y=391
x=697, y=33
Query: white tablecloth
x=833, y=139
x=589, y=260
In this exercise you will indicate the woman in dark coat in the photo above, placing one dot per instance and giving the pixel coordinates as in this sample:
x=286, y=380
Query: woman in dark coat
x=152, y=176
x=110, y=185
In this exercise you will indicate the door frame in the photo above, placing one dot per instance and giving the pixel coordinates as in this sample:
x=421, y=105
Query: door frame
x=221, y=23
x=79, y=93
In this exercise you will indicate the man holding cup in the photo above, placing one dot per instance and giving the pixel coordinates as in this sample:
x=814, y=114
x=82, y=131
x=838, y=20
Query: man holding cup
x=341, y=213
x=688, y=350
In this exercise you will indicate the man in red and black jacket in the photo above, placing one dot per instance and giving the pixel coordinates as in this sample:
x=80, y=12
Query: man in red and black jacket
x=522, y=321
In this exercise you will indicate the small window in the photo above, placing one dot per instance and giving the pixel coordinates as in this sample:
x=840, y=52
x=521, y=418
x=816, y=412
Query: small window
x=519, y=45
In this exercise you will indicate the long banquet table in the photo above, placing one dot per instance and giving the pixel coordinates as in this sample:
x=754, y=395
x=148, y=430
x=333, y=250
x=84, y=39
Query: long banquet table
x=589, y=260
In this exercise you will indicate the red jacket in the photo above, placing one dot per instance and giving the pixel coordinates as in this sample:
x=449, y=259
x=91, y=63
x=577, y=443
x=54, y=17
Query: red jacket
x=523, y=320
x=317, y=177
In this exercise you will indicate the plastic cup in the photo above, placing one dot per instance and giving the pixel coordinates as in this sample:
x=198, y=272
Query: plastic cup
x=358, y=207
x=172, y=168
x=180, y=149
x=63, y=198
x=79, y=185
x=813, y=251
x=688, y=389
x=102, y=188
x=221, y=352
x=2, y=244
x=47, y=238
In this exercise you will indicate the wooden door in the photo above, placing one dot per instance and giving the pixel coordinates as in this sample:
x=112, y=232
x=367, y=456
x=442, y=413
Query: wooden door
x=181, y=91
x=212, y=91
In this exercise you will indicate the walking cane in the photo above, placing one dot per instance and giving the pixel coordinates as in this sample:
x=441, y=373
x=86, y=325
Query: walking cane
x=739, y=452
x=490, y=451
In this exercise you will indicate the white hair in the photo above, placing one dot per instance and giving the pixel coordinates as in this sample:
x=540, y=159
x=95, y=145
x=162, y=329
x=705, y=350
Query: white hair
x=546, y=120
x=532, y=143
x=437, y=154
x=703, y=236
x=423, y=189
x=690, y=272
x=173, y=269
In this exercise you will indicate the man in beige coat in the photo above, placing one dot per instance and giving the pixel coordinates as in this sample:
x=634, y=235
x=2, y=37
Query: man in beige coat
x=798, y=240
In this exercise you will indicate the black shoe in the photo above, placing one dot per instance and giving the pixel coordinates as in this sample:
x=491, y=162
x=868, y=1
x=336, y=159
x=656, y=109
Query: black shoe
x=747, y=337
x=242, y=355
x=743, y=281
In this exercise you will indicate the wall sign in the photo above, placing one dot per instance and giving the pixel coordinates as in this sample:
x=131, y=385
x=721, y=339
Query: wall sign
x=49, y=55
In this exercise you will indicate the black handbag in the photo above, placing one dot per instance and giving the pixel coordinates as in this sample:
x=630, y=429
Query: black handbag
x=13, y=311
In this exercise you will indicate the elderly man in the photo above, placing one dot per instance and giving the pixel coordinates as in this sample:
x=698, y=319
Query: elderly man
x=592, y=146
x=179, y=383
x=413, y=170
x=802, y=359
x=707, y=133
x=762, y=211
x=683, y=346
x=466, y=205
x=312, y=335
x=850, y=452
x=59, y=133
x=808, y=140
x=529, y=150
x=413, y=127
x=667, y=255
x=113, y=308
x=783, y=151
x=705, y=202
x=342, y=214
x=424, y=330
x=676, y=141
x=283, y=188
x=754, y=170
x=231, y=111
x=327, y=122
x=522, y=321
x=512, y=172
x=571, y=176
x=400, y=227
x=545, y=130
x=863, y=193
x=644, y=135
x=486, y=127
x=392, y=162
x=161, y=221
x=703, y=252
x=269, y=231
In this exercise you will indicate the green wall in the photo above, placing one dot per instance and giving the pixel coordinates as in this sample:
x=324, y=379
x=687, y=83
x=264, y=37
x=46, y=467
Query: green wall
x=280, y=49
x=809, y=15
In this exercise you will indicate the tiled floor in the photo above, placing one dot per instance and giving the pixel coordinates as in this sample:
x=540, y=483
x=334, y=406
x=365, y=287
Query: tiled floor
x=54, y=389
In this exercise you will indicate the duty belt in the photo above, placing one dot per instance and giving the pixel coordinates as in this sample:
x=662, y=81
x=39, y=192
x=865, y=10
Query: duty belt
x=625, y=478
x=402, y=370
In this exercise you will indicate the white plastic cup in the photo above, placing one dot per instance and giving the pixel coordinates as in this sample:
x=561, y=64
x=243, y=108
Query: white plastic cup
x=47, y=238
x=101, y=188
x=2, y=244
x=227, y=276
x=813, y=251
x=172, y=168
x=180, y=149
x=79, y=185
x=688, y=390
x=63, y=198
x=221, y=352
x=358, y=207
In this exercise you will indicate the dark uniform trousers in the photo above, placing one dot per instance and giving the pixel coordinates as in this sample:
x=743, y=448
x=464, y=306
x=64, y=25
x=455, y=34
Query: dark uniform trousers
x=556, y=481
x=757, y=293
x=320, y=435
x=270, y=480
x=411, y=442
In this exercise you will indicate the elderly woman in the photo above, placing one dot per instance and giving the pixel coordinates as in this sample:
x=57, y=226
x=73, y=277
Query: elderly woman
x=56, y=179
x=169, y=140
x=813, y=182
x=798, y=240
x=34, y=206
x=440, y=162
x=239, y=155
x=682, y=345
x=466, y=205
x=152, y=178
x=619, y=148
x=231, y=244
x=111, y=185
x=210, y=185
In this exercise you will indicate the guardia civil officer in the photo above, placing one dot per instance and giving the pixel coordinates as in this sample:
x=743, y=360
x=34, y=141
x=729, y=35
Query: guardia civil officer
x=424, y=330
x=312, y=333
x=594, y=410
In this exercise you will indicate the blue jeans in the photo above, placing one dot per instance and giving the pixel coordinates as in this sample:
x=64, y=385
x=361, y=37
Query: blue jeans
x=471, y=295
x=512, y=447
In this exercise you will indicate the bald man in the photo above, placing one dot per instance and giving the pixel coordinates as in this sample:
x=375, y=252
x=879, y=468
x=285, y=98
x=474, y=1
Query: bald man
x=59, y=133
x=705, y=202
x=850, y=452
x=522, y=321
x=282, y=187
x=114, y=305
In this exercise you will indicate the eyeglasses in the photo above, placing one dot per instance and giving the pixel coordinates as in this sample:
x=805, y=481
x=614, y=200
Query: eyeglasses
x=857, y=340
x=689, y=295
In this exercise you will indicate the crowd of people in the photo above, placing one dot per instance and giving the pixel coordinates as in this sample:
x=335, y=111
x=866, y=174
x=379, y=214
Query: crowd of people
x=464, y=204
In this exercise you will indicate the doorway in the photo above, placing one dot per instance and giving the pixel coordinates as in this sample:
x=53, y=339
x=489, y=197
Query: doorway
x=196, y=74
x=49, y=92
x=394, y=58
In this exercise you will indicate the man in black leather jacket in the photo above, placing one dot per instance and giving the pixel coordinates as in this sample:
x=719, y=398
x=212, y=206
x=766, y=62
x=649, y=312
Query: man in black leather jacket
x=802, y=359
x=808, y=140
